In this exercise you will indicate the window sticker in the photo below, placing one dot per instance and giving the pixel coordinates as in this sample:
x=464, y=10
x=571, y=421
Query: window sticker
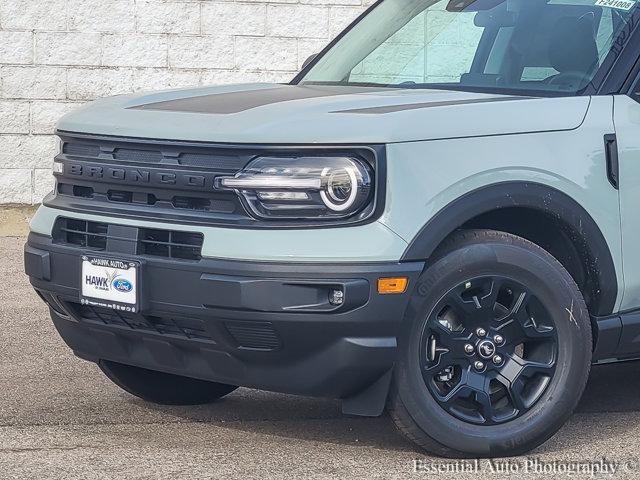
x=625, y=5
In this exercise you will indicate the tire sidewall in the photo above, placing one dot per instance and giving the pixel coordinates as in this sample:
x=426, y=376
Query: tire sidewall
x=546, y=278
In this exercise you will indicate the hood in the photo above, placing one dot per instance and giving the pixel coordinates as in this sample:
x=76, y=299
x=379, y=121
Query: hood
x=292, y=114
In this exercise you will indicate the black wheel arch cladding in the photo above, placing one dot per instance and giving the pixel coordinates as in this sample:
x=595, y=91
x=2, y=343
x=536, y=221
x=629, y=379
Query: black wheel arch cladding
x=571, y=218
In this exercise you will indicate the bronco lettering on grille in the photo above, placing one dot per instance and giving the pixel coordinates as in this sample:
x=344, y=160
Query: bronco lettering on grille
x=136, y=176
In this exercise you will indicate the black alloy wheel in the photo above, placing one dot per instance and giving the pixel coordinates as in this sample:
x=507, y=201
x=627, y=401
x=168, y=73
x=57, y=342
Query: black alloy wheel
x=489, y=350
x=495, y=348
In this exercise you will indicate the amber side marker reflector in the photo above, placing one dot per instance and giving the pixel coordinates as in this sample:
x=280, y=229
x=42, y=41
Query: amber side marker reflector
x=392, y=286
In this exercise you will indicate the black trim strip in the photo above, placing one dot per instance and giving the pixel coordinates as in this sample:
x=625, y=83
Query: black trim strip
x=416, y=106
x=236, y=102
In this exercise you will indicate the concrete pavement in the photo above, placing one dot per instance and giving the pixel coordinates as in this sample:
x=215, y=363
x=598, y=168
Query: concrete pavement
x=14, y=220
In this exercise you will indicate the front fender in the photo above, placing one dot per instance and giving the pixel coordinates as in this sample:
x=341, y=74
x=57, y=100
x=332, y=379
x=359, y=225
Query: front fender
x=436, y=186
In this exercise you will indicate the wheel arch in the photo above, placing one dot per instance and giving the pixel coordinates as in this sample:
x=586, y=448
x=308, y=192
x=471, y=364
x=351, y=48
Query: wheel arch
x=542, y=214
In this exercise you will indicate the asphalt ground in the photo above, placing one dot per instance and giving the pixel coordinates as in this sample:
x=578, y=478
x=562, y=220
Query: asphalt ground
x=61, y=418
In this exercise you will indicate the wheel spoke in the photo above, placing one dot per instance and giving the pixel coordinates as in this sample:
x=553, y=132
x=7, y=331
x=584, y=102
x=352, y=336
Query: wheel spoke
x=476, y=299
x=531, y=327
x=515, y=368
x=460, y=391
x=516, y=373
x=530, y=369
x=454, y=343
x=472, y=386
x=490, y=300
x=444, y=355
x=483, y=397
x=439, y=328
x=520, y=325
x=512, y=331
x=516, y=394
x=443, y=359
x=462, y=306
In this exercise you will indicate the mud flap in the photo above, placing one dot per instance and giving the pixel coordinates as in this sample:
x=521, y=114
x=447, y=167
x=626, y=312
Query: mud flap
x=371, y=401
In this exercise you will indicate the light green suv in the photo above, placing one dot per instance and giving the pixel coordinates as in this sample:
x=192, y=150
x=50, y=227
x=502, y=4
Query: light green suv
x=435, y=216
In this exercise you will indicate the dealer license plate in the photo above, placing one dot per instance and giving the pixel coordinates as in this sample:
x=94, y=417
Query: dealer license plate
x=109, y=283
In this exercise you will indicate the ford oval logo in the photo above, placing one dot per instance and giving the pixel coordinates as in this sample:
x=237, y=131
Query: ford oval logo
x=122, y=285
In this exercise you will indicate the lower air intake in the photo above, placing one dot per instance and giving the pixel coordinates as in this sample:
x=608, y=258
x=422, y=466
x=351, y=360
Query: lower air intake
x=254, y=335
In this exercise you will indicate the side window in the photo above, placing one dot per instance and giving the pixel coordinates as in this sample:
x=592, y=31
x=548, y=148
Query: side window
x=435, y=46
x=536, y=60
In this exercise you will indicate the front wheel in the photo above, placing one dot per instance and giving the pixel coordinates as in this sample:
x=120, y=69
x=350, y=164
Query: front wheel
x=163, y=388
x=496, y=349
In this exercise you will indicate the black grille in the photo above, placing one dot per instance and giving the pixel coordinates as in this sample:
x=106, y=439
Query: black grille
x=79, y=149
x=195, y=159
x=152, y=242
x=82, y=233
x=120, y=196
x=150, y=179
x=127, y=150
x=75, y=190
x=171, y=244
x=190, y=328
x=180, y=202
x=254, y=335
x=134, y=155
x=191, y=203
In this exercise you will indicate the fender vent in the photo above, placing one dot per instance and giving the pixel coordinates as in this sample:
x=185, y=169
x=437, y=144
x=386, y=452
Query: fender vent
x=254, y=335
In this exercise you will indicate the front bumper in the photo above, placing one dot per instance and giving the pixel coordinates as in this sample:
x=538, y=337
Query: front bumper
x=253, y=324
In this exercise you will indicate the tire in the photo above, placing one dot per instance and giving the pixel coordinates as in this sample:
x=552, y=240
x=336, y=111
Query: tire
x=163, y=388
x=520, y=295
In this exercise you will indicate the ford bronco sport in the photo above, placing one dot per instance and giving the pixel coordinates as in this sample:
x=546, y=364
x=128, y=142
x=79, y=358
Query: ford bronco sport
x=436, y=216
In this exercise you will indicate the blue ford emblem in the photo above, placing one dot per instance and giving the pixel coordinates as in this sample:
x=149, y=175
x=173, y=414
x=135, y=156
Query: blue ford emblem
x=122, y=285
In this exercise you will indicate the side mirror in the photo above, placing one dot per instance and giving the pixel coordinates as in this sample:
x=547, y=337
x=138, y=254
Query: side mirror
x=309, y=60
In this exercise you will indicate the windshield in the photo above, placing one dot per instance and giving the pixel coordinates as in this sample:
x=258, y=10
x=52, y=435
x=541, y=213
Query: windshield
x=529, y=45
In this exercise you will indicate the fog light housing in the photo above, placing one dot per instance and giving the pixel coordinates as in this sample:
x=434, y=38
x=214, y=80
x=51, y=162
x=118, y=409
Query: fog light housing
x=336, y=297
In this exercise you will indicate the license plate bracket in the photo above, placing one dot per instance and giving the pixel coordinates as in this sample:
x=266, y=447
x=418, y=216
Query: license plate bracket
x=110, y=283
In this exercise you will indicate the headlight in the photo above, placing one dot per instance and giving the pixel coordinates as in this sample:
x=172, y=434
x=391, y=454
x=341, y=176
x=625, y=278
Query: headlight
x=303, y=187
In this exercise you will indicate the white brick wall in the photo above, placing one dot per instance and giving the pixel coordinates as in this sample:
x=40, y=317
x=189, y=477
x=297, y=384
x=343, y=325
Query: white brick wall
x=57, y=54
